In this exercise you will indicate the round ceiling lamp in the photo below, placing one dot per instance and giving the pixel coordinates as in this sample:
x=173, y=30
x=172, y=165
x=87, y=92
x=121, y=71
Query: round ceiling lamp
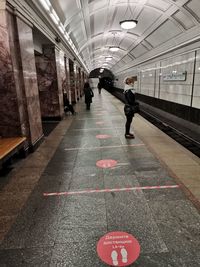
x=128, y=24
x=108, y=58
x=114, y=48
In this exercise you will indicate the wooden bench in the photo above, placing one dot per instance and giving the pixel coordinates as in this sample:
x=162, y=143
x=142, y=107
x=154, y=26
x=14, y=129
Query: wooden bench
x=9, y=147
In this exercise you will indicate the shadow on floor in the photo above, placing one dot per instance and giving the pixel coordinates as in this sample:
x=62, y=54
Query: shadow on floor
x=49, y=126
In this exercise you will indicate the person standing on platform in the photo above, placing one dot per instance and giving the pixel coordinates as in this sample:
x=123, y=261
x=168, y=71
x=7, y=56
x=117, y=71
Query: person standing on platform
x=99, y=87
x=129, y=92
x=88, y=95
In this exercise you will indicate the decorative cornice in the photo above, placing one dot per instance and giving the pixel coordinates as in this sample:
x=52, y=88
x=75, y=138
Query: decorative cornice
x=19, y=15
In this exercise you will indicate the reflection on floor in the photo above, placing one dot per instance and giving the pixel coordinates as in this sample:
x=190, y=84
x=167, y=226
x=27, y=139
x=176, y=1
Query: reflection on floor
x=138, y=195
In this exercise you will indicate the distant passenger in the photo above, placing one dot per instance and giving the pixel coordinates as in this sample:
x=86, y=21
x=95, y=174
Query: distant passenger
x=99, y=87
x=129, y=92
x=88, y=95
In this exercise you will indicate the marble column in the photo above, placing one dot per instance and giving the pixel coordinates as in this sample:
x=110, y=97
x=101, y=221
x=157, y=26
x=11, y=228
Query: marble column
x=50, y=83
x=68, y=90
x=82, y=82
x=72, y=81
x=18, y=75
x=30, y=80
x=63, y=73
x=10, y=124
x=78, y=83
x=19, y=103
x=60, y=69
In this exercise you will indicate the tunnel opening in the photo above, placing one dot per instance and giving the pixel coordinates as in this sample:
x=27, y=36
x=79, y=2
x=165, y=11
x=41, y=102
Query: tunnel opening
x=103, y=76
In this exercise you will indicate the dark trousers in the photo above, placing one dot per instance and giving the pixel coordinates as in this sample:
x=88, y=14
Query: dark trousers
x=128, y=123
x=88, y=106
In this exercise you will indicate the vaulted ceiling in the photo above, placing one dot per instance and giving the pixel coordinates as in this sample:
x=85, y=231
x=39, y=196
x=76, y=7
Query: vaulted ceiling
x=93, y=26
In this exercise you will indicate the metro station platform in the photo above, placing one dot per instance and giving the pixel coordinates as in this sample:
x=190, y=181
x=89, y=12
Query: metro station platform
x=58, y=202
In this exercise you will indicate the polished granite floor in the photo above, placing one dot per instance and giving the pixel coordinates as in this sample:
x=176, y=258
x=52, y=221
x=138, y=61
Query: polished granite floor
x=64, y=230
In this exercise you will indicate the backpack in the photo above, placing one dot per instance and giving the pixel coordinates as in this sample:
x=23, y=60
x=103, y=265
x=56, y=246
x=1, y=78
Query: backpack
x=131, y=110
x=128, y=110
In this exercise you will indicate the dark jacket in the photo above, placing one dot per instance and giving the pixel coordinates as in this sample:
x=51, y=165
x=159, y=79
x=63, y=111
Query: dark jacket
x=88, y=93
x=129, y=97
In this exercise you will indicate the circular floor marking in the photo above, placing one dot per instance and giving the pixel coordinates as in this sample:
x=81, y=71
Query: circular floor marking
x=106, y=163
x=118, y=249
x=102, y=136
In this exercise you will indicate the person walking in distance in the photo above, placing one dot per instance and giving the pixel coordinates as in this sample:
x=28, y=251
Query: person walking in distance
x=99, y=87
x=88, y=95
x=129, y=92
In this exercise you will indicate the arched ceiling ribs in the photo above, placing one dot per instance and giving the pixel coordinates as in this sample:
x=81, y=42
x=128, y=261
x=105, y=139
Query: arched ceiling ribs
x=99, y=36
x=91, y=25
x=182, y=6
x=103, y=57
x=188, y=12
x=178, y=24
x=140, y=5
x=70, y=20
x=91, y=41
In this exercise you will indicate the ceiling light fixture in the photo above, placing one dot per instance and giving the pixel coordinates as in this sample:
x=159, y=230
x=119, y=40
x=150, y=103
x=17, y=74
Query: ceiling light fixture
x=129, y=23
x=114, y=47
x=109, y=58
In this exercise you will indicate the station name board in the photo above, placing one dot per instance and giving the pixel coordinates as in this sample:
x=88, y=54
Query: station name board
x=179, y=76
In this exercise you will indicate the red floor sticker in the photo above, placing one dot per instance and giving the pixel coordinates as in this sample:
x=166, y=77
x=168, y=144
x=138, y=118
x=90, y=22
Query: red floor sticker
x=102, y=136
x=108, y=190
x=106, y=163
x=118, y=249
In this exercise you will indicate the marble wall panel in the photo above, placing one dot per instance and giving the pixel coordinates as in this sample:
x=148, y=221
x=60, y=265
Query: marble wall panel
x=75, y=84
x=72, y=81
x=61, y=75
x=30, y=80
x=67, y=84
x=82, y=82
x=9, y=113
x=175, y=91
x=18, y=75
x=179, y=91
x=78, y=84
x=147, y=82
x=196, y=92
x=49, y=89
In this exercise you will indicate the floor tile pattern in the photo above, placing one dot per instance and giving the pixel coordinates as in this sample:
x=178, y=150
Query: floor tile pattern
x=64, y=230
